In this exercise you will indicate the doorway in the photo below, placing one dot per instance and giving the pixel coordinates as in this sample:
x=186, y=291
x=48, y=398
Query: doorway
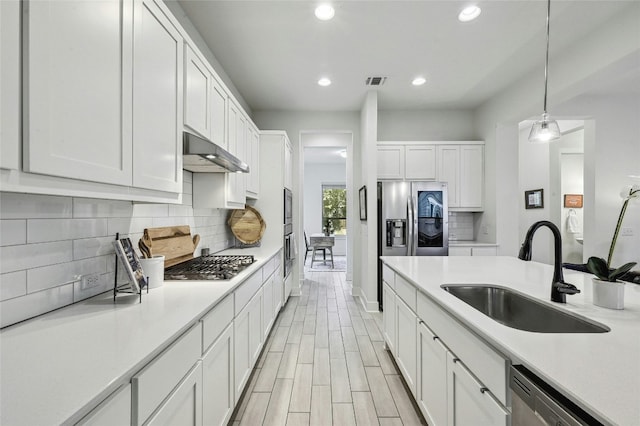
x=326, y=201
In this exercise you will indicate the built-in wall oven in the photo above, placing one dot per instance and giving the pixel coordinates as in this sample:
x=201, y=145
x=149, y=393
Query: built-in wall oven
x=289, y=248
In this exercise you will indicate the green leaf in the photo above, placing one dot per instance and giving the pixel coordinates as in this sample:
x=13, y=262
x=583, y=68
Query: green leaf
x=617, y=273
x=598, y=267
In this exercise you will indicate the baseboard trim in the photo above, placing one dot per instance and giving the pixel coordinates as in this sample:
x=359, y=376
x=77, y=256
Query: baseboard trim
x=366, y=304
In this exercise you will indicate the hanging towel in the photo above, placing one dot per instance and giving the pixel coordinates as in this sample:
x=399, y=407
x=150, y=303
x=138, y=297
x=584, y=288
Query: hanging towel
x=295, y=244
x=573, y=227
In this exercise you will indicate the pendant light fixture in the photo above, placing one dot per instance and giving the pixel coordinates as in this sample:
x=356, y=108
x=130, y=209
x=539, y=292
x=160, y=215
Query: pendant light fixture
x=545, y=130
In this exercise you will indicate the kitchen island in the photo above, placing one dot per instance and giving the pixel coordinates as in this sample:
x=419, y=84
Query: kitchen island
x=57, y=368
x=599, y=372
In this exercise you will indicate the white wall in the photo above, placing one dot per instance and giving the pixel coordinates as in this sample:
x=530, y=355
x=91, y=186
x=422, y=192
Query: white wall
x=47, y=241
x=610, y=50
x=423, y=125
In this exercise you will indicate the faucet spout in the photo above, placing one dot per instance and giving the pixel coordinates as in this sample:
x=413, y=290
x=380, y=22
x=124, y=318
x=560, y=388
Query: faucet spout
x=559, y=289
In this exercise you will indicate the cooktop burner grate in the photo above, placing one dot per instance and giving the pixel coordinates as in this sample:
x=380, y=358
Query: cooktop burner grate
x=208, y=268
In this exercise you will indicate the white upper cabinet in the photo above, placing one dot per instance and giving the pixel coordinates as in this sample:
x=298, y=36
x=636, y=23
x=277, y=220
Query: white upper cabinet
x=253, y=159
x=10, y=84
x=157, y=100
x=77, y=90
x=390, y=161
x=219, y=105
x=449, y=171
x=236, y=196
x=420, y=162
x=197, y=93
x=460, y=164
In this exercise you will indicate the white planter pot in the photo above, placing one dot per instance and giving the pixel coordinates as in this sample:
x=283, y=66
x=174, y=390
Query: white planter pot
x=608, y=294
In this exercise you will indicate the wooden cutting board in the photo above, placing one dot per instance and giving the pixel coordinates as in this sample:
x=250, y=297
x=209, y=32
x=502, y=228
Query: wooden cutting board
x=247, y=225
x=175, y=243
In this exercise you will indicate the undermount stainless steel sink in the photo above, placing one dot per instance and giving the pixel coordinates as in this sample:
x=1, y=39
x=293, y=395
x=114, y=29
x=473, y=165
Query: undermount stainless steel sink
x=516, y=310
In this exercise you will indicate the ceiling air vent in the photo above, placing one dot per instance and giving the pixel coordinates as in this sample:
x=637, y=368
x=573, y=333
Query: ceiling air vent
x=375, y=81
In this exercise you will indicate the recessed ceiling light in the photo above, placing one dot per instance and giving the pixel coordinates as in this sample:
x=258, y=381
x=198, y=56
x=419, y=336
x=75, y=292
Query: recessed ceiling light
x=419, y=81
x=324, y=81
x=469, y=13
x=324, y=12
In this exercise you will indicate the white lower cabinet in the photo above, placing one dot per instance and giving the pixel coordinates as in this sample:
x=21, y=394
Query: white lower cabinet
x=115, y=410
x=405, y=354
x=218, y=396
x=153, y=385
x=389, y=324
x=268, y=313
x=470, y=402
x=278, y=291
x=256, y=332
x=241, y=359
x=431, y=387
x=184, y=405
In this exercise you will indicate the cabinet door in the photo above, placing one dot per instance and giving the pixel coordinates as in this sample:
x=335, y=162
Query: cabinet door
x=218, y=397
x=420, y=162
x=288, y=165
x=459, y=251
x=253, y=159
x=256, y=332
x=469, y=402
x=484, y=251
x=219, y=119
x=389, y=317
x=267, y=307
x=406, y=339
x=10, y=101
x=288, y=284
x=77, y=90
x=157, y=100
x=390, y=162
x=241, y=360
x=197, y=90
x=115, y=410
x=448, y=171
x=184, y=405
x=431, y=387
x=278, y=291
x=471, y=176
x=235, y=181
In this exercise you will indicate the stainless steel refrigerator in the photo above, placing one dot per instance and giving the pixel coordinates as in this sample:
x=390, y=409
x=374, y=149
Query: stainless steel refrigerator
x=413, y=220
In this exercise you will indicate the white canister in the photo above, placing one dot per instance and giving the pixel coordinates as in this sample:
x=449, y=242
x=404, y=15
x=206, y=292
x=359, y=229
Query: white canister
x=153, y=268
x=608, y=294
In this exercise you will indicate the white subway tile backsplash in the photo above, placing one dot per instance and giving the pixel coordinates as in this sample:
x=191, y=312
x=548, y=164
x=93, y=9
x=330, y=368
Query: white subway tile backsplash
x=13, y=284
x=28, y=206
x=150, y=210
x=43, y=230
x=16, y=258
x=92, y=247
x=31, y=305
x=13, y=232
x=89, y=207
x=461, y=226
x=48, y=243
x=55, y=275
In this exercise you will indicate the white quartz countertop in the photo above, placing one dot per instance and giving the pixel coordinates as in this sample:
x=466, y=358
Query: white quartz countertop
x=600, y=372
x=55, y=367
x=461, y=243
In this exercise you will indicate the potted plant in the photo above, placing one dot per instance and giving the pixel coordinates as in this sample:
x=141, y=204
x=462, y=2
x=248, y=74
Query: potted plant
x=608, y=291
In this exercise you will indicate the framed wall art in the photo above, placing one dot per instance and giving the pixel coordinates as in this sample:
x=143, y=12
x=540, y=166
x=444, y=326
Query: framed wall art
x=534, y=199
x=363, y=203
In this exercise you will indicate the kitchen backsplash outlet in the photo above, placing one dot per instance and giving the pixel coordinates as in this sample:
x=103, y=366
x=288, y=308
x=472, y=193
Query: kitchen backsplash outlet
x=47, y=243
x=461, y=226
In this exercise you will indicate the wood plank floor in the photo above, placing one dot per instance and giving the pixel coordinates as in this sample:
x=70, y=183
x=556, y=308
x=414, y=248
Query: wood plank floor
x=324, y=364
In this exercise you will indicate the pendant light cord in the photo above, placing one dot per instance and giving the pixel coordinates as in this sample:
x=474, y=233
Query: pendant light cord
x=546, y=63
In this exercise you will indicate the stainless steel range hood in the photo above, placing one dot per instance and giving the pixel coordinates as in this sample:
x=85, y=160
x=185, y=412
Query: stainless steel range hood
x=203, y=156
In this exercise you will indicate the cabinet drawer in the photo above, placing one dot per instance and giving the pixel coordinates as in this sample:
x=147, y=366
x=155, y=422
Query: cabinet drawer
x=268, y=268
x=115, y=410
x=215, y=321
x=156, y=381
x=406, y=291
x=245, y=292
x=489, y=366
x=389, y=276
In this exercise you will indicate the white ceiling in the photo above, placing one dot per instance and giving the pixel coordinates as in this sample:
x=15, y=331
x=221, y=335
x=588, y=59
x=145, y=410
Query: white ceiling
x=275, y=51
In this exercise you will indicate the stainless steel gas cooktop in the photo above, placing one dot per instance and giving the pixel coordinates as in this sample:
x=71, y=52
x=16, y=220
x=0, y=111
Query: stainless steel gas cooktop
x=208, y=268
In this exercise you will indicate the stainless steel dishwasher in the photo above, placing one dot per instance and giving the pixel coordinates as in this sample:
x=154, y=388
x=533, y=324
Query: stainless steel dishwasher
x=535, y=403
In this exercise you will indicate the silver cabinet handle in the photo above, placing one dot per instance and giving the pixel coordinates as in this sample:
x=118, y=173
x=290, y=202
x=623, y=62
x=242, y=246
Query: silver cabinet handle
x=483, y=389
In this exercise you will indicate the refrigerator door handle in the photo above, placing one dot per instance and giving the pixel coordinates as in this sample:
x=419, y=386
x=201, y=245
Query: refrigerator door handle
x=410, y=248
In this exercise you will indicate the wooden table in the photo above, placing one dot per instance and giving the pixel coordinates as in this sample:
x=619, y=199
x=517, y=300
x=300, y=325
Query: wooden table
x=324, y=243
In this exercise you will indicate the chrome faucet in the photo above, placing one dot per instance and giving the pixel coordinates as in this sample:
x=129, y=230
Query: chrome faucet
x=559, y=289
